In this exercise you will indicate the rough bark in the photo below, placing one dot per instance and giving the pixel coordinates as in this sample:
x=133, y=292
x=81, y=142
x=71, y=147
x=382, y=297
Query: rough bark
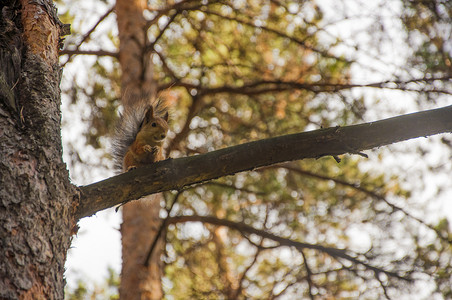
x=140, y=219
x=36, y=207
x=136, y=66
x=174, y=174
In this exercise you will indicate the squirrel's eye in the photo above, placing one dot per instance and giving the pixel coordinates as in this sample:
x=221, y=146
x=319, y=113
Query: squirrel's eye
x=153, y=124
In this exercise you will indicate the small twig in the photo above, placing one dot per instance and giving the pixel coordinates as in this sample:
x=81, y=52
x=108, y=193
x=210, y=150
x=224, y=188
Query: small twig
x=224, y=185
x=150, y=47
x=336, y=158
x=383, y=286
x=308, y=274
x=356, y=186
x=238, y=291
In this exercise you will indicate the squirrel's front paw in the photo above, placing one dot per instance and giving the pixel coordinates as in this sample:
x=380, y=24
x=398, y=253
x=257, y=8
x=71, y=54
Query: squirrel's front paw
x=131, y=168
x=155, y=149
x=151, y=149
x=147, y=148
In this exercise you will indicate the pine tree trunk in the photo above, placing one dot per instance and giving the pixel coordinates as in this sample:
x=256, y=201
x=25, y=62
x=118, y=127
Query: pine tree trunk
x=140, y=224
x=36, y=212
x=140, y=218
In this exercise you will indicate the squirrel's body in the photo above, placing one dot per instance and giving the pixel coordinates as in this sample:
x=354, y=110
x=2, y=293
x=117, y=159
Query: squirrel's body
x=140, y=134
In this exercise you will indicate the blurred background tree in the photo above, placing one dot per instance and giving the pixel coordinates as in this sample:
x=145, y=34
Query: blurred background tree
x=236, y=71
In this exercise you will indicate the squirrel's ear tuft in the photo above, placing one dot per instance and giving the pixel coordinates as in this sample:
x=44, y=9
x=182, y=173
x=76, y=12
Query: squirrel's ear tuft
x=149, y=114
x=165, y=117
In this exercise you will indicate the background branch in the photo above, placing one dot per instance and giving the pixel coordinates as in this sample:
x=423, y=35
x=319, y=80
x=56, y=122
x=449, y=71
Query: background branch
x=244, y=228
x=89, y=52
x=356, y=186
x=269, y=86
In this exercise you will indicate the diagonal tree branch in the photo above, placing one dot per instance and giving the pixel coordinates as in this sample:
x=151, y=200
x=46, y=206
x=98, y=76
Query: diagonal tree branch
x=174, y=174
x=246, y=229
x=267, y=86
x=195, y=107
x=308, y=274
x=305, y=44
x=357, y=187
x=242, y=277
x=178, y=7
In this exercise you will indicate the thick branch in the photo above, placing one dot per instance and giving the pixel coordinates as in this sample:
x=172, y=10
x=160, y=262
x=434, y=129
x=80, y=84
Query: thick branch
x=174, y=174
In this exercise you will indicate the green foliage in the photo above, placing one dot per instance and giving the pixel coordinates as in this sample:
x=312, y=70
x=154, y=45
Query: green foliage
x=108, y=290
x=80, y=292
x=428, y=25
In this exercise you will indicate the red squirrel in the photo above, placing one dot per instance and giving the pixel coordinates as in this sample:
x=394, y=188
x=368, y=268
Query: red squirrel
x=140, y=134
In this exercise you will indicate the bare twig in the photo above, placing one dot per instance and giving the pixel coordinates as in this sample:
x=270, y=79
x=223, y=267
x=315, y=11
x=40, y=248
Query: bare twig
x=239, y=289
x=161, y=228
x=194, y=108
x=309, y=274
x=294, y=168
x=383, y=286
x=151, y=46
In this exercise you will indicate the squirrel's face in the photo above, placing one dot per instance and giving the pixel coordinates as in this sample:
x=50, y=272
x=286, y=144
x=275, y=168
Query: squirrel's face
x=154, y=131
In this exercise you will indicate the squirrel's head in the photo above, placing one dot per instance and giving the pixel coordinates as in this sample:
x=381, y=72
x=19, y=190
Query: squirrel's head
x=153, y=129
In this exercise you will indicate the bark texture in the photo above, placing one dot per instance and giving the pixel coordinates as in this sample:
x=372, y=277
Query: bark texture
x=137, y=70
x=36, y=211
x=140, y=219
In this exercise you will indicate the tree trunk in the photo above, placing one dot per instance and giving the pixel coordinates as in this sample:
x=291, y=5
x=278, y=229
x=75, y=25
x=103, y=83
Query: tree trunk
x=140, y=219
x=137, y=70
x=36, y=211
x=140, y=224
